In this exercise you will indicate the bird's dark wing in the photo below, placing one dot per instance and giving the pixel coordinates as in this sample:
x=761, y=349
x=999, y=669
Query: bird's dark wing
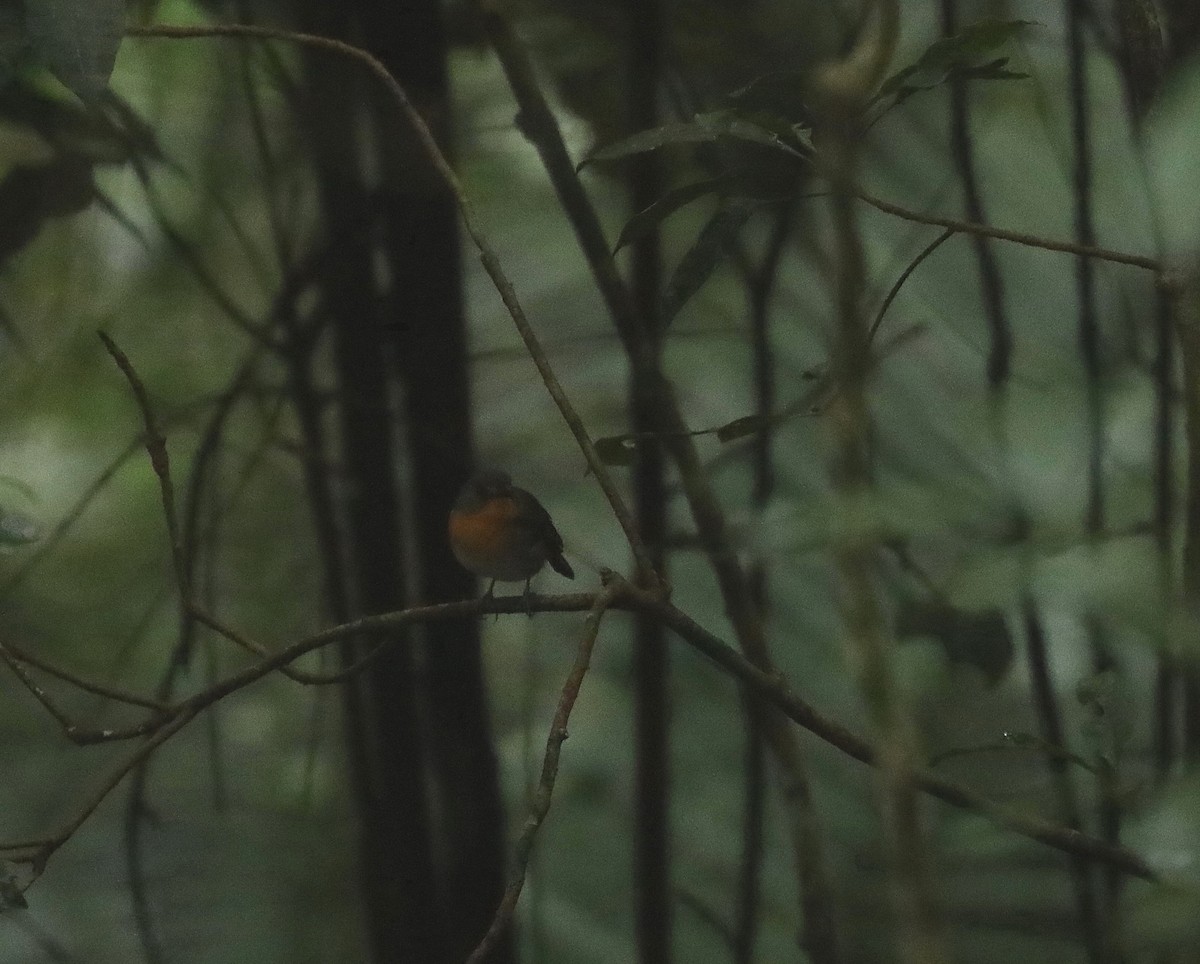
x=542, y=527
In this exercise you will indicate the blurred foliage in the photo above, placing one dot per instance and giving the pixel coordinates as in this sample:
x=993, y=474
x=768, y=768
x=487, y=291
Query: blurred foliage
x=169, y=212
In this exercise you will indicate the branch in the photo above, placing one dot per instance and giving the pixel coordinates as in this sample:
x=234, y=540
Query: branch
x=545, y=789
x=487, y=254
x=540, y=127
x=761, y=678
x=156, y=448
x=772, y=687
x=1016, y=237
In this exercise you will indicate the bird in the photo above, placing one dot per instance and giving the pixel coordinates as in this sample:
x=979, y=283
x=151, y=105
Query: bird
x=501, y=532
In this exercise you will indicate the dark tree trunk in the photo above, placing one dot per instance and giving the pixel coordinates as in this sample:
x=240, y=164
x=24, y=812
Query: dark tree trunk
x=420, y=741
x=651, y=863
x=421, y=246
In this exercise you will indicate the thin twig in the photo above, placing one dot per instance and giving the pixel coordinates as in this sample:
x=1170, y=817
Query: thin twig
x=99, y=689
x=156, y=448
x=904, y=275
x=39, y=694
x=765, y=681
x=76, y=733
x=539, y=125
x=543, y=796
x=51, y=540
x=487, y=254
x=771, y=686
x=1003, y=234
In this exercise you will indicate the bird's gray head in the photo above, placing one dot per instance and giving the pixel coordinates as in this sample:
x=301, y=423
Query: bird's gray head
x=482, y=486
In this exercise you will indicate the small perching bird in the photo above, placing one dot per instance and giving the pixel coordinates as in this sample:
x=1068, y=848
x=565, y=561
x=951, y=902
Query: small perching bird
x=501, y=532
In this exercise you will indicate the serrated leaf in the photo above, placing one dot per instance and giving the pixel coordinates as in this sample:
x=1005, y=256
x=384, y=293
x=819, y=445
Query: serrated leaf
x=701, y=129
x=649, y=218
x=702, y=258
x=78, y=40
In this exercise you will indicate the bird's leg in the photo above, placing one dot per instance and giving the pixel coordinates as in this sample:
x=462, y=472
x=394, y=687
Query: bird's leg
x=489, y=596
x=525, y=596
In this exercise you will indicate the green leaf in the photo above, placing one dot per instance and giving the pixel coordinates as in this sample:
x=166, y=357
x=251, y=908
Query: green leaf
x=616, y=449
x=703, y=257
x=956, y=55
x=646, y=220
x=78, y=40
x=11, y=897
x=780, y=93
x=17, y=529
x=1016, y=741
x=30, y=196
x=979, y=639
x=15, y=878
x=701, y=129
x=741, y=427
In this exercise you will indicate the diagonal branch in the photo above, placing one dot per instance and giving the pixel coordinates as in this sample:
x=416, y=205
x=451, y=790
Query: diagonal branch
x=487, y=254
x=545, y=789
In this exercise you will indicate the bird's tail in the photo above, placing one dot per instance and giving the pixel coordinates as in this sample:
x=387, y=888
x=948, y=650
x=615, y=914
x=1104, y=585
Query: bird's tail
x=561, y=566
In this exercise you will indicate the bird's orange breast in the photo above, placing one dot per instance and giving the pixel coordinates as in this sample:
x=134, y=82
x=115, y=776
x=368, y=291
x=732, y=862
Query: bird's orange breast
x=483, y=540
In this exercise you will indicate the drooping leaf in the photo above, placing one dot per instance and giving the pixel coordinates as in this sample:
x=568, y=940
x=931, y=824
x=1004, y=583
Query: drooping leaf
x=11, y=897
x=702, y=258
x=995, y=70
x=15, y=878
x=615, y=449
x=31, y=195
x=17, y=529
x=701, y=129
x=1017, y=741
x=77, y=39
x=109, y=132
x=665, y=206
x=781, y=93
x=741, y=427
x=979, y=639
x=959, y=55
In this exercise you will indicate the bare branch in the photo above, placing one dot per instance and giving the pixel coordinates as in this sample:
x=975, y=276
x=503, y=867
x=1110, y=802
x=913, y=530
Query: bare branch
x=156, y=448
x=487, y=254
x=545, y=789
